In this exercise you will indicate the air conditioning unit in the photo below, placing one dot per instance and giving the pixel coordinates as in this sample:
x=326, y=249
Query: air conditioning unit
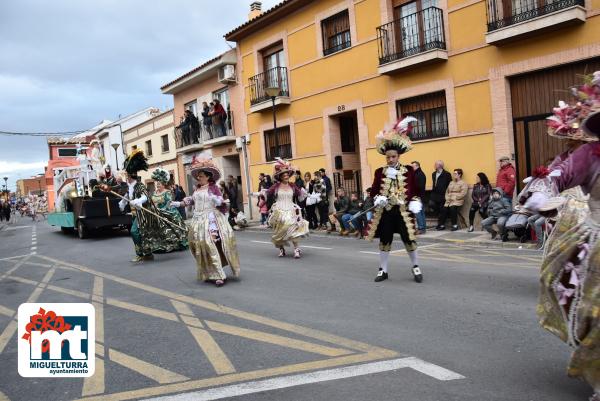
x=227, y=74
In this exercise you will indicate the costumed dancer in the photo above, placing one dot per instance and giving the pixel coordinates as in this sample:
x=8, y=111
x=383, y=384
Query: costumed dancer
x=107, y=177
x=151, y=230
x=162, y=198
x=95, y=157
x=394, y=193
x=211, y=238
x=286, y=216
x=569, y=303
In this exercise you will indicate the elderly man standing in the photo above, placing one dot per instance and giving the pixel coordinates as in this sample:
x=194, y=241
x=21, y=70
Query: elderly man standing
x=506, y=178
x=440, y=179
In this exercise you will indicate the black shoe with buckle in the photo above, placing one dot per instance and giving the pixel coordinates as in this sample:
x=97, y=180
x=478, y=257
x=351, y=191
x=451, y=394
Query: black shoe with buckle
x=381, y=275
x=417, y=274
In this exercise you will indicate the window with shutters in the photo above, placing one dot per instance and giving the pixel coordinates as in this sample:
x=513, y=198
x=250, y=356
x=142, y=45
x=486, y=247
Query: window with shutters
x=278, y=143
x=336, y=33
x=430, y=112
x=148, y=148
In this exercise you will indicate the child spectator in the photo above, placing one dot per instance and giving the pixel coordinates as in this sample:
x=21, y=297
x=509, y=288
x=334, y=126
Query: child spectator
x=498, y=211
x=264, y=210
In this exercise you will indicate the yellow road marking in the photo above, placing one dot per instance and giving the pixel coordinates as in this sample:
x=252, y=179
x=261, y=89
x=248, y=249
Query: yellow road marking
x=213, y=352
x=7, y=334
x=10, y=330
x=142, y=309
x=98, y=289
x=191, y=321
x=239, y=377
x=538, y=260
x=6, y=311
x=3, y=397
x=480, y=262
x=304, y=331
x=99, y=349
x=15, y=267
x=95, y=384
x=68, y=291
x=158, y=374
x=24, y=280
x=181, y=308
x=277, y=340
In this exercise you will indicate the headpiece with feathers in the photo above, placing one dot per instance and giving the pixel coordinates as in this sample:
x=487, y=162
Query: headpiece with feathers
x=396, y=138
x=282, y=166
x=135, y=162
x=161, y=175
x=572, y=120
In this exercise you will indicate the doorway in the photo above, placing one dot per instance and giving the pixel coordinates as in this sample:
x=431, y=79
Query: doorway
x=345, y=150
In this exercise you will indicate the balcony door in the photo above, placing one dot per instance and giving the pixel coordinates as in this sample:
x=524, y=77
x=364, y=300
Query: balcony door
x=273, y=59
x=417, y=25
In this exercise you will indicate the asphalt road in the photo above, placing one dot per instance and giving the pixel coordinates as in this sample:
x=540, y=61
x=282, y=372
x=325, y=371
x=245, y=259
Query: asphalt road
x=317, y=328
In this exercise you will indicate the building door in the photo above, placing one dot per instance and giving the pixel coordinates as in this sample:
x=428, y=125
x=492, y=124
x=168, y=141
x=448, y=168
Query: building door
x=533, y=95
x=345, y=149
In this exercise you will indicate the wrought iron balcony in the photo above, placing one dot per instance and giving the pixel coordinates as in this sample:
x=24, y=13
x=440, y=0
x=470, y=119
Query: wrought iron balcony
x=411, y=35
x=203, y=135
x=504, y=13
x=274, y=77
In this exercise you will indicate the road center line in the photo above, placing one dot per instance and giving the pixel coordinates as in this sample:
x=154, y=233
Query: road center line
x=258, y=386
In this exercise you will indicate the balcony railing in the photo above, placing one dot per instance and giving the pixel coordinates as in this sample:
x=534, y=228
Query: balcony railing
x=270, y=78
x=205, y=133
x=503, y=13
x=416, y=33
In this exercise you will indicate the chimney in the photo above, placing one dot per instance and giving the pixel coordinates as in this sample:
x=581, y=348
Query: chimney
x=255, y=10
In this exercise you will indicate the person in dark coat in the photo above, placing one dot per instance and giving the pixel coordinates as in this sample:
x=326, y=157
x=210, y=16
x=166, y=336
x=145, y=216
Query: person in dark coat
x=440, y=178
x=421, y=181
x=482, y=191
x=179, y=195
x=189, y=128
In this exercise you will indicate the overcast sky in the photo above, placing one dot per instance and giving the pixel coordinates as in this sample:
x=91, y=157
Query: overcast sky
x=68, y=64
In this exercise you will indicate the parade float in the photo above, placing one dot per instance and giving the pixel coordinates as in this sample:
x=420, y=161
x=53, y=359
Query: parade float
x=80, y=207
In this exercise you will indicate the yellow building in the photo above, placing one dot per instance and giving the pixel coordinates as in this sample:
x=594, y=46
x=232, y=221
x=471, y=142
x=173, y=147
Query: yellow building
x=479, y=75
x=156, y=137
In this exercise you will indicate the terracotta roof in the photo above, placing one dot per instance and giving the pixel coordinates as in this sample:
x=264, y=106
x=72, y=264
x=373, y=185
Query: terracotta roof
x=187, y=74
x=59, y=140
x=256, y=22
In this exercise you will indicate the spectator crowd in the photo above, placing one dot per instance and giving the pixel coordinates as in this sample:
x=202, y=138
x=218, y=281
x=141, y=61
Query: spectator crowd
x=336, y=210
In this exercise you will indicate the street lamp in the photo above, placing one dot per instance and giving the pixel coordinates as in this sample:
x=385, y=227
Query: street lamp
x=273, y=91
x=115, y=146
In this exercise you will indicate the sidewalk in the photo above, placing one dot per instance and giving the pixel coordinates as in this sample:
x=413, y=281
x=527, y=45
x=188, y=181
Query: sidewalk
x=476, y=238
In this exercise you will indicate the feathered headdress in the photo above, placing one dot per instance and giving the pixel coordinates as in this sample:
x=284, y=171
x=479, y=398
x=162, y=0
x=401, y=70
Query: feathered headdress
x=161, y=175
x=206, y=165
x=396, y=138
x=575, y=120
x=135, y=162
x=282, y=166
